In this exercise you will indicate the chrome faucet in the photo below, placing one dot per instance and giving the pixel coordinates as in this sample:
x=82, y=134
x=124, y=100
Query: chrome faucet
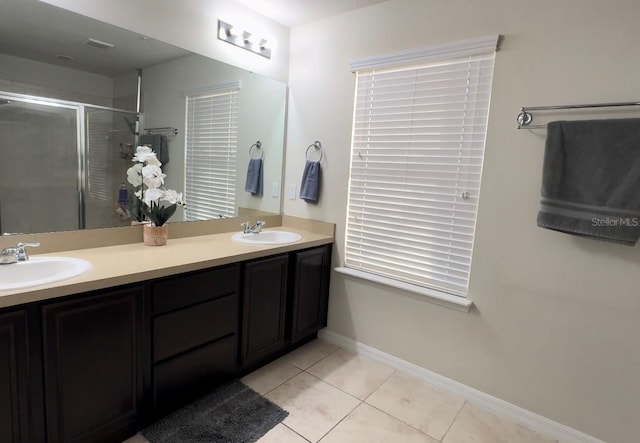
x=15, y=254
x=255, y=229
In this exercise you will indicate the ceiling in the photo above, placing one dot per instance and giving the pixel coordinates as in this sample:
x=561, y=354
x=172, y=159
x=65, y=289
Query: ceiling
x=39, y=31
x=292, y=13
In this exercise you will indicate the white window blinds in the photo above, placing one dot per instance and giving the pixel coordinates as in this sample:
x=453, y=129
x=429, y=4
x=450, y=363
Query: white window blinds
x=100, y=176
x=210, y=153
x=416, y=161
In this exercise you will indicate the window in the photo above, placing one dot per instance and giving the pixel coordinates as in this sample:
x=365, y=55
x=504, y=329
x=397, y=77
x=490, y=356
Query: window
x=210, y=153
x=416, y=161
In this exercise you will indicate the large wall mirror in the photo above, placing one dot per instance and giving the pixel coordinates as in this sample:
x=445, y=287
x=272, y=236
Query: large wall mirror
x=68, y=100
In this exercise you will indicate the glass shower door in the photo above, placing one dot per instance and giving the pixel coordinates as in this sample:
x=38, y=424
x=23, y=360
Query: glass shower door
x=39, y=178
x=109, y=149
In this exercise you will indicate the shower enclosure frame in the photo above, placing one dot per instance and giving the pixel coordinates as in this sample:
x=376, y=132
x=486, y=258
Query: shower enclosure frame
x=81, y=135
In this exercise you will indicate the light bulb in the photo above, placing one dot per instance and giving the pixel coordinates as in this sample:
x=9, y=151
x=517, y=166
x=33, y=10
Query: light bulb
x=247, y=38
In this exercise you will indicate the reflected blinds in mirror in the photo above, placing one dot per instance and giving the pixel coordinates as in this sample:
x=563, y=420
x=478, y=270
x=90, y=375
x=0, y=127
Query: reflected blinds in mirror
x=210, y=153
x=99, y=177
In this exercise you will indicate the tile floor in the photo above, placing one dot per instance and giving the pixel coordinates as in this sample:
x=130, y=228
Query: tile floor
x=335, y=396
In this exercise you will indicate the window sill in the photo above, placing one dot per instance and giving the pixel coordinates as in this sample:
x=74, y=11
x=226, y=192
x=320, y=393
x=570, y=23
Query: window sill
x=430, y=295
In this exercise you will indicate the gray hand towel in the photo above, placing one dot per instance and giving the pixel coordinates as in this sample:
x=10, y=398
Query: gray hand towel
x=591, y=179
x=310, y=187
x=254, y=177
x=158, y=143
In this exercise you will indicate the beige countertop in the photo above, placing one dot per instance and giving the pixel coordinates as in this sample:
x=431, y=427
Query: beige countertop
x=135, y=262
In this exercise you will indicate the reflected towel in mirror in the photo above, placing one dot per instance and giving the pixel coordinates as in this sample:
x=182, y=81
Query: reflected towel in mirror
x=158, y=143
x=254, y=177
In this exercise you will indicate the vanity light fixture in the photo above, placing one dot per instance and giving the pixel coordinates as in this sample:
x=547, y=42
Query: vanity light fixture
x=243, y=39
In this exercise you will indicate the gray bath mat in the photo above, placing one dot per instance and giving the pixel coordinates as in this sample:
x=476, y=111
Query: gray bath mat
x=233, y=413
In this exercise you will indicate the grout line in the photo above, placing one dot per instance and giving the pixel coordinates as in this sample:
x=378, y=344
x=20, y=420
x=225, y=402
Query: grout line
x=284, y=382
x=348, y=393
x=335, y=387
x=295, y=432
x=393, y=372
x=403, y=422
x=341, y=420
x=321, y=358
x=315, y=363
x=464, y=403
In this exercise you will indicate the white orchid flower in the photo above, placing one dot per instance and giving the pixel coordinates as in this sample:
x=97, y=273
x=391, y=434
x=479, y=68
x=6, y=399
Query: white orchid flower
x=153, y=160
x=152, y=176
x=152, y=195
x=134, y=175
x=147, y=173
x=143, y=154
x=172, y=197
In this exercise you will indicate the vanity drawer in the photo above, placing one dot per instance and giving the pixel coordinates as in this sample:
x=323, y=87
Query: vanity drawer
x=188, y=376
x=181, y=330
x=186, y=290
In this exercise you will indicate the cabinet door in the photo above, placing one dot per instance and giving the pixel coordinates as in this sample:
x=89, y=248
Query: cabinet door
x=310, y=291
x=264, y=308
x=93, y=376
x=13, y=378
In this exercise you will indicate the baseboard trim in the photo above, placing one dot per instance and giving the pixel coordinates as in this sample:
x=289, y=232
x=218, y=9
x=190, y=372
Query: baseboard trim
x=543, y=425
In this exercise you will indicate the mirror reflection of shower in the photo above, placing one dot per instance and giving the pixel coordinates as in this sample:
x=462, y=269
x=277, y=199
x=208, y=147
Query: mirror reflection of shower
x=73, y=154
x=31, y=136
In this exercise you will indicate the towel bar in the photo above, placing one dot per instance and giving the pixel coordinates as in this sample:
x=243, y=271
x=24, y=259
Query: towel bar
x=170, y=129
x=524, y=118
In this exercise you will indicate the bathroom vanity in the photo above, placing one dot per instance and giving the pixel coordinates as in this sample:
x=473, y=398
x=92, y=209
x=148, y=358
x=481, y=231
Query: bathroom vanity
x=98, y=365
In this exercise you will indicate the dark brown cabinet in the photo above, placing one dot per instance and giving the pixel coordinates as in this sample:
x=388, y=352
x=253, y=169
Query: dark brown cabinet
x=195, y=321
x=285, y=300
x=14, y=410
x=97, y=367
x=264, y=308
x=310, y=291
x=93, y=357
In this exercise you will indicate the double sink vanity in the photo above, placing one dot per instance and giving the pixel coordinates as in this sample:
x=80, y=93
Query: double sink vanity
x=144, y=330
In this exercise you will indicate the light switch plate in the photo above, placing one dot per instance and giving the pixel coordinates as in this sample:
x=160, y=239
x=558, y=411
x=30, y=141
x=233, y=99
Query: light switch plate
x=291, y=192
x=275, y=189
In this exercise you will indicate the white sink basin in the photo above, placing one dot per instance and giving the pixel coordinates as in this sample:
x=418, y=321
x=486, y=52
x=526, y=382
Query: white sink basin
x=267, y=237
x=40, y=271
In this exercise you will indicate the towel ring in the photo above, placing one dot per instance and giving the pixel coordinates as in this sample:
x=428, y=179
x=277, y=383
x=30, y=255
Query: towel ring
x=318, y=146
x=258, y=146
